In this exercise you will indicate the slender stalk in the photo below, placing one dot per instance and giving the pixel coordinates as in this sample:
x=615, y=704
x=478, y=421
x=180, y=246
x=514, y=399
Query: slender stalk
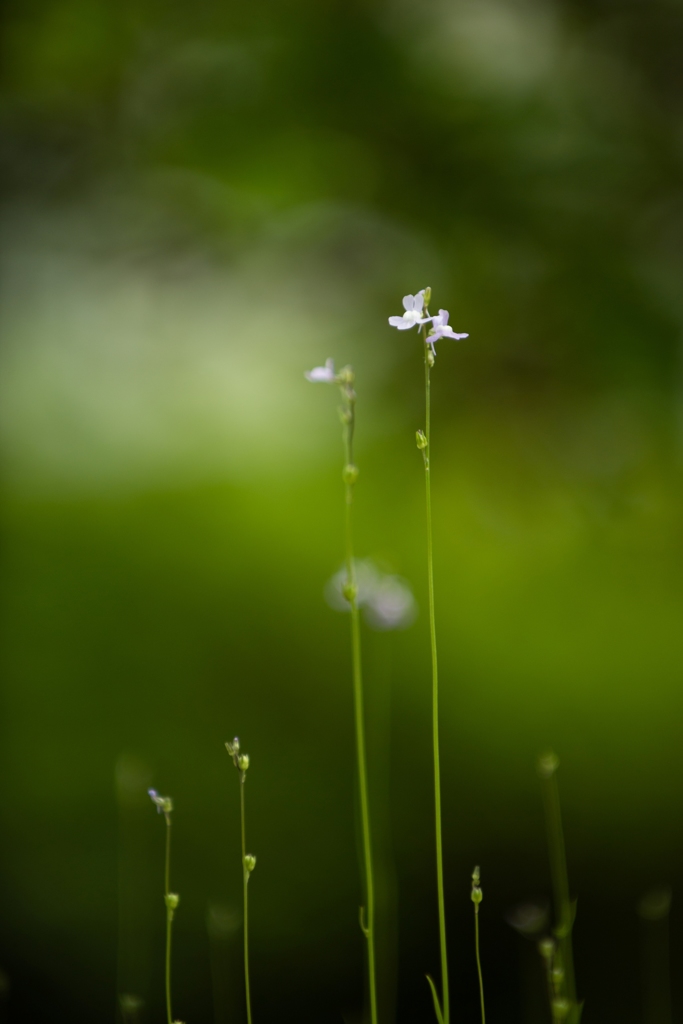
x=367, y=918
x=426, y=454
x=245, y=885
x=654, y=909
x=169, y=918
x=564, y=911
x=476, y=947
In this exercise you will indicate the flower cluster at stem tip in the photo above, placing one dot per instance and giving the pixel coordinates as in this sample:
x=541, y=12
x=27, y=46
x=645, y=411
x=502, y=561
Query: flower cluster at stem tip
x=416, y=306
x=164, y=804
x=416, y=313
x=240, y=760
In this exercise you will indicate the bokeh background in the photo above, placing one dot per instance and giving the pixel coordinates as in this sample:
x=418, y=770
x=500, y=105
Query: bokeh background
x=201, y=201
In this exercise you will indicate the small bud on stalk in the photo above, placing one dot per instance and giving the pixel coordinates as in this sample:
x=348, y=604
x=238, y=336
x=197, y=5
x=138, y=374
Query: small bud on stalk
x=548, y=764
x=561, y=1008
x=476, y=895
x=558, y=977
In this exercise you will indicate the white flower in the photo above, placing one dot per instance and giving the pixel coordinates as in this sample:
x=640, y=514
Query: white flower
x=322, y=374
x=387, y=601
x=366, y=582
x=392, y=605
x=413, y=305
x=440, y=329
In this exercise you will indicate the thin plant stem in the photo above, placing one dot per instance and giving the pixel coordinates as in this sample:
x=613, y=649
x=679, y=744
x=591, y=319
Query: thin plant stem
x=367, y=918
x=654, y=909
x=426, y=453
x=169, y=918
x=548, y=964
x=476, y=947
x=564, y=910
x=245, y=884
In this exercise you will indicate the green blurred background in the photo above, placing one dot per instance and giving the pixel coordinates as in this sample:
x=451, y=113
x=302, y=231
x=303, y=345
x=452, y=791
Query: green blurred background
x=201, y=200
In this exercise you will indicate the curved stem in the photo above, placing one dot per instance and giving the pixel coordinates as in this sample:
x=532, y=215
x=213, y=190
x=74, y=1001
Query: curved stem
x=435, y=700
x=481, y=979
x=169, y=919
x=245, y=885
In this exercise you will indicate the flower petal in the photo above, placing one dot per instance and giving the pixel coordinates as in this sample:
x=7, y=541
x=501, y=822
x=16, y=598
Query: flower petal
x=419, y=301
x=396, y=321
x=443, y=316
x=321, y=374
x=408, y=302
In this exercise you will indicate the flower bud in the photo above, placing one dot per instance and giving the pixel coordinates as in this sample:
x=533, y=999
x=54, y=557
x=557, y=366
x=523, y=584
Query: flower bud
x=420, y=439
x=548, y=764
x=546, y=948
x=431, y=358
x=172, y=900
x=476, y=895
x=350, y=473
x=233, y=748
x=428, y=295
x=249, y=862
x=561, y=1008
x=557, y=976
x=243, y=762
x=350, y=591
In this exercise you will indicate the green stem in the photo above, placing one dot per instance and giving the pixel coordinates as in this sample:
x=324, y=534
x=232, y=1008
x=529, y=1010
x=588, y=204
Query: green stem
x=481, y=979
x=169, y=919
x=435, y=700
x=367, y=918
x=549, y=982
x=245, y=884
x=558, y=868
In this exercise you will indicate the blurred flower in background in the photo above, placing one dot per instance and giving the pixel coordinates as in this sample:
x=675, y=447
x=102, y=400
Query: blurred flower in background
x=199, y=201
x=386, y=600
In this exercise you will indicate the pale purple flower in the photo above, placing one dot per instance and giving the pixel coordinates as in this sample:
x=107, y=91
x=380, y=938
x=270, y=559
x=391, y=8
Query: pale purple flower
x=413, y=305
x=322, y=374
x=164, y=804
x=440, y=329
x=387, y=601
x=392, y=606
x=367, y=578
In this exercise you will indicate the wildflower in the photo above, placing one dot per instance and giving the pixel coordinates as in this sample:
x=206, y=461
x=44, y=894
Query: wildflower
x=164, y=804
x=441, y=329
x=392, y=605
x=413, y=305
x=322, y=374
x=387, y=601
